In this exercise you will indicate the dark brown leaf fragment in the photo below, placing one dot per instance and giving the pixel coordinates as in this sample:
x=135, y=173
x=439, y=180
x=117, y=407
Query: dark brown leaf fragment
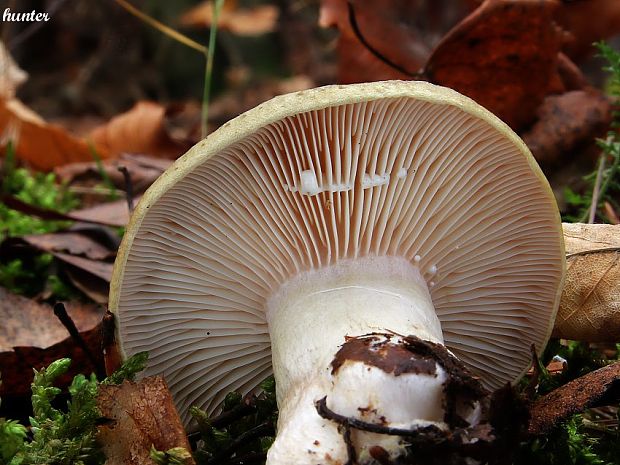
x=590, y=390
x=566, y=121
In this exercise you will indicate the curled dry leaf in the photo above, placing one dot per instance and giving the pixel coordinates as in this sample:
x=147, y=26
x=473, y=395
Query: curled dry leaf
x=260, y=19
x=566, y=121
x=142, y=129
x=504, y=56
x=41, y=145
x=592, y=389
x=143, y=414
x=590, y=304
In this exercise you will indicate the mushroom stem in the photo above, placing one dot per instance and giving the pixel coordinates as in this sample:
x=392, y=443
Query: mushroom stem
x=335, y=334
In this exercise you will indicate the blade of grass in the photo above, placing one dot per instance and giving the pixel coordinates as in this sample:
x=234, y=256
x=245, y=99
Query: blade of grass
x=173, y=34
x=102, y=172
x=596, y=189
x=217, y=8
x=208, y=52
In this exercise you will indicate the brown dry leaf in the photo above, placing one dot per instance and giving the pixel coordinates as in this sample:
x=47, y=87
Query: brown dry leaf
x=32, y=337
x=95, y=288
x=565, y=121
x=403, y=32
x=114, y=214
x=590, y=304
x=581, y=237
x=143, y=414
x=73, y=243
x=588, y=22
x=260, y=19
x=28, y=323
x=41, y=145
x=11, y=75
x=139, y=130
x=110, y=213
x=504, y=56
x=17, y=365
x=142, y=169
x=98, y=268
x=592, y=389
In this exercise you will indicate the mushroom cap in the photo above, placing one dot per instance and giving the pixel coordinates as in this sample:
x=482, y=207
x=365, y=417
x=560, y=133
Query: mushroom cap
x=307, y=179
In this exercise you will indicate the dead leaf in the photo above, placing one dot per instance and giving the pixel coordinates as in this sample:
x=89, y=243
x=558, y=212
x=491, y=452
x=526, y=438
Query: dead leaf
x=70, y=242
x=107, y=214
x=143, y=414
x=590, y=304
x=95, y=288
x=588, y=22
x=504, y=56
x=566, y=121
x=257, y=20
x=590, y=390
x=581, y=237
x=17, y=368
x=32, y=337
x=610, y=213
x=143, y=170
x=41, y=145
x=28, y=323
x=98, y=268
x=110, y=213
x=139, y=130
x=11, y=75
x=403, y=32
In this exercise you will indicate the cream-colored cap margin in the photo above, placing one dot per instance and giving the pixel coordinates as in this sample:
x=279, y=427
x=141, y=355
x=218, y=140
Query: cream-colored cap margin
x=300, y=102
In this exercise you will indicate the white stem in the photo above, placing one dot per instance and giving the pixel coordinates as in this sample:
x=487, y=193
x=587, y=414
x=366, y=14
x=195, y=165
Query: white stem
x=310, y=318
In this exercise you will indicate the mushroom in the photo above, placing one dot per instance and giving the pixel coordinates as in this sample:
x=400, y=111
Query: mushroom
x=319, y=234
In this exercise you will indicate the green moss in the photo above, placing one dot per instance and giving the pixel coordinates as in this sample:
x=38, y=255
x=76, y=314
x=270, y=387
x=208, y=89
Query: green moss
x=37, y=189
x=61, y=436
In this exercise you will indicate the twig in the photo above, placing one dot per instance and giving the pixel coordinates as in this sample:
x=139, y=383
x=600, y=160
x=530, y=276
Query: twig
x=128, y=187
x=325, y=412
x=162, y=27
x=351, y=453
x=371, y=49
x=61, y=313
x=111, y=355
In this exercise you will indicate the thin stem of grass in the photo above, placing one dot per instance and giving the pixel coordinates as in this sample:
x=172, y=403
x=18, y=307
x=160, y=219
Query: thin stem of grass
x=217, y=7
x=597, y=187
x=173, y=34
x=107, y=181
